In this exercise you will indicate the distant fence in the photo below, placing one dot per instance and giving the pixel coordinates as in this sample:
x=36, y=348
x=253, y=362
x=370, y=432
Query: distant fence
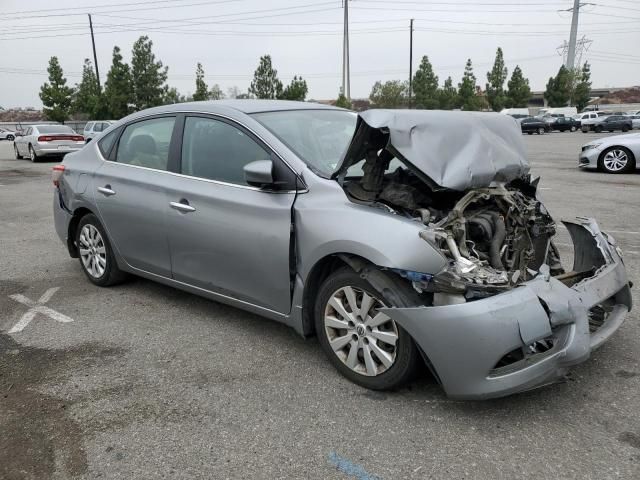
x=77, y=126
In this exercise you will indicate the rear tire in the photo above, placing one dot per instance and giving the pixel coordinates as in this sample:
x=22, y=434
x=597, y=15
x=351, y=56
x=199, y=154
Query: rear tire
x=358, y=359
x=597, y=129
x=625, y=129
x=529, y=133
x=15, y=150
x=32, y=154
x=11, y=138
x=96, y=254
x=540, y=131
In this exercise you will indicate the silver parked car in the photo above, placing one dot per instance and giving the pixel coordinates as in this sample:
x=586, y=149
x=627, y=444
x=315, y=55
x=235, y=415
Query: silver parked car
x=615, y=154
x=6, y=134
x=94, y=129
x=396, y=237
x=47, y=141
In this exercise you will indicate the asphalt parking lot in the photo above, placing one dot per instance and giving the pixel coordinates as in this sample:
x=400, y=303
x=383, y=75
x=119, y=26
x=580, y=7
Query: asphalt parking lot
x=150, y=382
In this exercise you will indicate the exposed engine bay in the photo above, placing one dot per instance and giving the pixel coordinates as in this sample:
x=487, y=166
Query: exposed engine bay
x=494, y=237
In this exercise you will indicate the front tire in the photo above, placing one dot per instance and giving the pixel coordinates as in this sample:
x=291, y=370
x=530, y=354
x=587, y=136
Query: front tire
x=363, y=344
x=96, y=254
x=540, y=131
x=616, y=160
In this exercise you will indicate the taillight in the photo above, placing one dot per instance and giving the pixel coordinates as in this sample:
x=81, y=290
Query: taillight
x=56, y=173
x=78, y=138
x=45, y=138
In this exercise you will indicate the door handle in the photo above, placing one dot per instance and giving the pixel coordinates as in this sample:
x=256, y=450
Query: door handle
x=182, y=206
x=106, y=190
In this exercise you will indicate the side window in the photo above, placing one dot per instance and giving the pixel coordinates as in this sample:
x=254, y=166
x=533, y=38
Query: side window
x=88, y=126
x=215, y=150
x=29, y=131
x=146, y=143
x=106, y=142
x=97, y=127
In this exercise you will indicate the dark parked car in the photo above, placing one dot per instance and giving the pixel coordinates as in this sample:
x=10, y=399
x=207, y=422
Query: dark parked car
x=611, y=124
x=563, y=124
x=533, y=125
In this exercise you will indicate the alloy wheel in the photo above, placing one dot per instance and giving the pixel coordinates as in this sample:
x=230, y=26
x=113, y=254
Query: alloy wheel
x=362, y=337
x=615, y=160
x=93, y=252
x=32, y=154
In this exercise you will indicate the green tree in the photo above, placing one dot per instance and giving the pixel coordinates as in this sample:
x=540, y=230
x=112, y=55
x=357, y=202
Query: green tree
x=86, y=98
x=149, y=76
x=425, y=86
x=467, y=89
x=296, y=90
x=202, y=91
x=558, y=91
x=265, y=82
x=216, y=93
x=173, y=96
x=496, y=96
x=519, y=92
x=448, y=95
x=118, y=89
x=342, y=102
x=390, y=94
x=55, y=95
x=582, y=90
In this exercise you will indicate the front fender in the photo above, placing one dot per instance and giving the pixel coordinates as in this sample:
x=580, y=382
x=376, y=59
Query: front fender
x=328, y=223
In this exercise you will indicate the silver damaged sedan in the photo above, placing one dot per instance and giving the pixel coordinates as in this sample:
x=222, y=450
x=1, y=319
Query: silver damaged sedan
x=396, y=237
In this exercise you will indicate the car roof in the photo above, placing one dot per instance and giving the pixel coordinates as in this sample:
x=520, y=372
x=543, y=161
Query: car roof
x=227, y=106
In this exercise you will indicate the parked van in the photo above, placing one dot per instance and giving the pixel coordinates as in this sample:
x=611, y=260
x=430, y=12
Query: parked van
x=566, y=111
x=516, y=112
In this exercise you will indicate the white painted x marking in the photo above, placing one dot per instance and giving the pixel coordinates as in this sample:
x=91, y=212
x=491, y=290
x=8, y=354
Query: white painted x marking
x=37, y=307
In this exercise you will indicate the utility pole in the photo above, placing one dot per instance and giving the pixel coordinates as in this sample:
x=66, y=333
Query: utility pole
x=95, y=57
x=410, y=59
x=571, y=54
x=346, y=80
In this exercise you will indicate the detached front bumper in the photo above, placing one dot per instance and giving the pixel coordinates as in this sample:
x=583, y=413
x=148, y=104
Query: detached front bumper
x=471, y=345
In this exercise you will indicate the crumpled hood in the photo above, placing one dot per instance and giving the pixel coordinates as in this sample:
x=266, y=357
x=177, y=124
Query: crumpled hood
x=455, y=150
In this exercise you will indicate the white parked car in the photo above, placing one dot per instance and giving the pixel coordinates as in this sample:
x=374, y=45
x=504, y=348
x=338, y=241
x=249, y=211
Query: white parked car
x=635, y=120
x=614, y=154
x=47, y=141
x=6, y=134
x=95, y=129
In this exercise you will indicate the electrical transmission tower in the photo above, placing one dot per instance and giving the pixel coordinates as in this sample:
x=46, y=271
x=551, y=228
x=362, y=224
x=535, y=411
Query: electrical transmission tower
x=580, y=49
x=568, y=50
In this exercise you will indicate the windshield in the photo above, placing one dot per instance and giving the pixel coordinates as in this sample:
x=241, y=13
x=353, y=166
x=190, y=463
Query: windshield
x=318, y=137
x=54, y=129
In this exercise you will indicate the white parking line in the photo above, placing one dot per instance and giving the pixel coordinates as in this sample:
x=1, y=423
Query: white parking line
x=37, y=307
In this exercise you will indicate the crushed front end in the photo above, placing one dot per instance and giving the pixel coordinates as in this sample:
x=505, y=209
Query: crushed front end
x=503, y=315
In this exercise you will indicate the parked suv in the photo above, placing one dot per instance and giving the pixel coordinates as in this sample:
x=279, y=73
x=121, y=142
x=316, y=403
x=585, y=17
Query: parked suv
x=94, y=129
x=610, y=123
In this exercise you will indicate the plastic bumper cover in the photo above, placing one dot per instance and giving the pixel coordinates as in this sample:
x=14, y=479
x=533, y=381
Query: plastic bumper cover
x=465, y=342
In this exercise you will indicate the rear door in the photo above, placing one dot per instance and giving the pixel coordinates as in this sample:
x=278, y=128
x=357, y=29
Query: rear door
x=227, y=236
x=130, y=191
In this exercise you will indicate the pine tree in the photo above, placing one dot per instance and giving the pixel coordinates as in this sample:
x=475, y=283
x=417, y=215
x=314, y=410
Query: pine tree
x=265, y=82
x=390, y=94
x=496, y=95
x=202, y=91
x=425, y=86
x=519, y=92
x=296, y=90
x=467, y=89
x=173, y=96
x=558, y=91
x=448, y=95
x=55, y=95
x=582, y=91
x=342, y=102
x=86, y=98
x=118, y=89
x=149, y=76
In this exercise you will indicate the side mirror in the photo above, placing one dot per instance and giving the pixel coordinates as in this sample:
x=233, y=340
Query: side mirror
x=259, y=173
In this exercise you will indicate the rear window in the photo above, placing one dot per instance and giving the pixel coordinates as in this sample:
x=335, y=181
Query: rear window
x=106, y=142
x=55, y=129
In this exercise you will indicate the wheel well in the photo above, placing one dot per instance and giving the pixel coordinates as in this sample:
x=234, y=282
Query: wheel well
x=320, y=271
x=73, y=226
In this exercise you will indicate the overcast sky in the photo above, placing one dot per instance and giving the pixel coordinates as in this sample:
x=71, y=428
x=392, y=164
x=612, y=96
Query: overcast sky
x=305, y=37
